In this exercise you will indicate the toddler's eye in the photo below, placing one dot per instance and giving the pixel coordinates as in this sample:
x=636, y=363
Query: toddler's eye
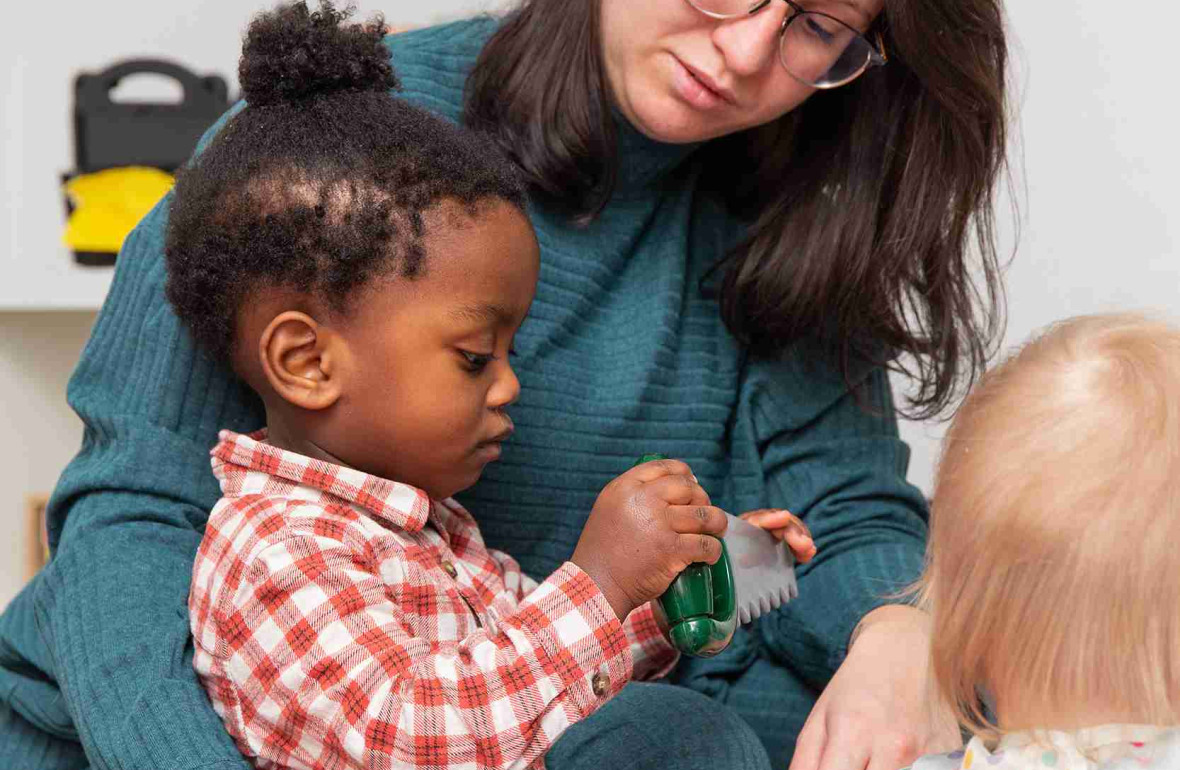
x=476, y=362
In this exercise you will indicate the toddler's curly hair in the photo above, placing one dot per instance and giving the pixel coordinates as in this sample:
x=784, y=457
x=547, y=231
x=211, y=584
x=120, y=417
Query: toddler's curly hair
x=319, y=184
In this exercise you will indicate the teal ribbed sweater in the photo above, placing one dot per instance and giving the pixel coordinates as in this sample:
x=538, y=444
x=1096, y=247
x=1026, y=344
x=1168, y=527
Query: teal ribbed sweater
x=622, y=354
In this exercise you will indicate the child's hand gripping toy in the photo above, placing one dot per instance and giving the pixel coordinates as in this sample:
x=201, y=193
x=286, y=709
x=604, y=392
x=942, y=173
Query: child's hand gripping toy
x=705, y=603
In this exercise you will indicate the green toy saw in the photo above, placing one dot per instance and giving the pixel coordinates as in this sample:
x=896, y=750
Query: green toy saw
x=706, y=602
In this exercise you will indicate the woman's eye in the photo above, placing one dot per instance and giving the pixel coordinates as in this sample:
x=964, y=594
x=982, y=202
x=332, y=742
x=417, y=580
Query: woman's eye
x=816, y=26
x=476, y=362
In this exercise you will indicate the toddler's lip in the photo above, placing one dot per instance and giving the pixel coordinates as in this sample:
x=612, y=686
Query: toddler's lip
x=500, y=437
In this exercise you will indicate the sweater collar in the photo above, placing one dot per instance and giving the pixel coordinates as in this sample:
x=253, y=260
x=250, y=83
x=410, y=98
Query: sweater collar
x=644, y=161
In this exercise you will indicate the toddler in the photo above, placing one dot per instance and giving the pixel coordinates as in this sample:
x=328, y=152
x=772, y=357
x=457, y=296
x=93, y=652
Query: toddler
x=364, y=267
x=1053, y=576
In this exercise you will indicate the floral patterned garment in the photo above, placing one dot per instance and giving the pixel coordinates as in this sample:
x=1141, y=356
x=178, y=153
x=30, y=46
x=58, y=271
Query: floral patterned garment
x=1110, y=747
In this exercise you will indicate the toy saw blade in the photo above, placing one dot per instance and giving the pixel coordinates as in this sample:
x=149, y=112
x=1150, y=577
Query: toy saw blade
x=763, y=569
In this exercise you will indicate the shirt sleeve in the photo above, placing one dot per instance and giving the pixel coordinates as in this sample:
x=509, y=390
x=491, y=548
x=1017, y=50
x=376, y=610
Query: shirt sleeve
x=834, y=457
x=325, y=666
x=652, y=654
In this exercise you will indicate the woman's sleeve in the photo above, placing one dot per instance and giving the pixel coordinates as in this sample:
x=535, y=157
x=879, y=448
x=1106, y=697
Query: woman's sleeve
x=125, y=522
x=834, y=458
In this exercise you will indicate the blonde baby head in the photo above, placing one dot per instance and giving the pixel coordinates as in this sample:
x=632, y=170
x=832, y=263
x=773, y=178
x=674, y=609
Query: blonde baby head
x=1053, y=576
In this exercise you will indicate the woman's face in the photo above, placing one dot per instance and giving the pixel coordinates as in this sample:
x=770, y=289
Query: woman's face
x=679, y=76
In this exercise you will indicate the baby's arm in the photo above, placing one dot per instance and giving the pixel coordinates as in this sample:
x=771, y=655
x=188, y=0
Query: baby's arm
x=324, y=663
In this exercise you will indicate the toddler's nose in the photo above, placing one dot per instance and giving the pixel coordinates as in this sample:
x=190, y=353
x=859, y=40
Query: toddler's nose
x=505, y=391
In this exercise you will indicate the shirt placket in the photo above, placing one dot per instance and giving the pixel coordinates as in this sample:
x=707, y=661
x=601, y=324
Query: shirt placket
x=454, y=568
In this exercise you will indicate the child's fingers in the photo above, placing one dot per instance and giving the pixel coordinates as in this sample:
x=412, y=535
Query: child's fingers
x=698, y=548
x=655, y=469
x=697, y=519
x=676, y=489
x=787, y=527
x=801, y=545
x=775, y=518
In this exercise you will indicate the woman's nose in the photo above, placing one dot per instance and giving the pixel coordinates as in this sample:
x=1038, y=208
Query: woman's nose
x=750, y=43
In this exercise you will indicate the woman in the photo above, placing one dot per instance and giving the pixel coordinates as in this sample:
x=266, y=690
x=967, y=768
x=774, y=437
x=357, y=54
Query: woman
x=745, y=213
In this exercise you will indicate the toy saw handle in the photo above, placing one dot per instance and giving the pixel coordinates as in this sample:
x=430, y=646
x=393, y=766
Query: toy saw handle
x=700, y=607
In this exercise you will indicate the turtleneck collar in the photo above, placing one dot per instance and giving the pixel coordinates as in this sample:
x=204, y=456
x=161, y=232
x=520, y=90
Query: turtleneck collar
x=642, y=160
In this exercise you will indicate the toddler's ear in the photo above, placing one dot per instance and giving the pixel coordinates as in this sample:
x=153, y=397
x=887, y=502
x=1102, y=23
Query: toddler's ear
x=300, y=357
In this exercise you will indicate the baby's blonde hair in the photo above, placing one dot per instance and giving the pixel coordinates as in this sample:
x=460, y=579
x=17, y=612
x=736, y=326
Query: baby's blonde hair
x=1053, y=572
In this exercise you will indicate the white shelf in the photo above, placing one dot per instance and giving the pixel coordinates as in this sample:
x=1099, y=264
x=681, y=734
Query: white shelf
x=52, y=280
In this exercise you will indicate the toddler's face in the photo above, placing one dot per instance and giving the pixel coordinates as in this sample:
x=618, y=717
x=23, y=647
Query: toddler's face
x=429, y=363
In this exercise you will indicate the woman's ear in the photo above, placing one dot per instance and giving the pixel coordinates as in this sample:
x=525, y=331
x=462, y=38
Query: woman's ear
x=300, y=358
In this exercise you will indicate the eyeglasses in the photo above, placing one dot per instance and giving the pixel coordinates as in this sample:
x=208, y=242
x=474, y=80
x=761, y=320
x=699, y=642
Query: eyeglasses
x=815, y=48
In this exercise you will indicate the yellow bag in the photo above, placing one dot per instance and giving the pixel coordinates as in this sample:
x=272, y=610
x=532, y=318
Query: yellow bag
x=108, y=204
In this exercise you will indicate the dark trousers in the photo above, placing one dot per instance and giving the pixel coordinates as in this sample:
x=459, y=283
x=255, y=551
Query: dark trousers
x=740, y=711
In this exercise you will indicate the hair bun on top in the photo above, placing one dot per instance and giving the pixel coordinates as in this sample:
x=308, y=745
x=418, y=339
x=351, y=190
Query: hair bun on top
x=291, y=53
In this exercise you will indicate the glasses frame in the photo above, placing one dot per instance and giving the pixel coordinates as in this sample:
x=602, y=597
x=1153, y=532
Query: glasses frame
x=877, y=55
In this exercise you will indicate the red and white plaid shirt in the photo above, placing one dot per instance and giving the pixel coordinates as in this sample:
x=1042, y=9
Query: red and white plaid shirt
x=343, y=620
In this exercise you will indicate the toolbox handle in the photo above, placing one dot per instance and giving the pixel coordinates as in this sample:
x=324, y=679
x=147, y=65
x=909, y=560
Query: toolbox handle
x=110, y=133
x=205, y=93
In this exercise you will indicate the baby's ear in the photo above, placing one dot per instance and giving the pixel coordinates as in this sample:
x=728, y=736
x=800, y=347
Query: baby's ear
x=300, y=359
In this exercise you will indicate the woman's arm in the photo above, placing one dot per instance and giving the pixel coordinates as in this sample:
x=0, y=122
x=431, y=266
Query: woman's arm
x=880, y=710
x=835, y=458
x=125, y=521
x=112, y=609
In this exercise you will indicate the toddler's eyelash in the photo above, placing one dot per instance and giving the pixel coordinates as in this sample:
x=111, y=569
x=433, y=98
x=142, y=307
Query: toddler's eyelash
x=476, y=362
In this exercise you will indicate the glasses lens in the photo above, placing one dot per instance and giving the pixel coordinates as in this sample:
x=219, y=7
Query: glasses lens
x=822, y=51
x=724, y=9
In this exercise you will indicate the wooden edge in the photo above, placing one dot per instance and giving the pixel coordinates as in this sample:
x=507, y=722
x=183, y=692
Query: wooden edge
x=36, y=544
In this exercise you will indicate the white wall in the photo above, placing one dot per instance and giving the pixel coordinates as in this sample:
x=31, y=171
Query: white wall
x=1100, y=160
x=40, y=434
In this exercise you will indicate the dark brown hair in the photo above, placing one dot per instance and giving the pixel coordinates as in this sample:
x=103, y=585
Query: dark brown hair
x=865, y=203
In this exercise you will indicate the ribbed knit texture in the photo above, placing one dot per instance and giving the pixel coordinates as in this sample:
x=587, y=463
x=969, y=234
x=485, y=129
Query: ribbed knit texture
x=621, y=355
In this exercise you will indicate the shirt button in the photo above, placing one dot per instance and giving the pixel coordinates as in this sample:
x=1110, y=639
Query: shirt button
x=449, y=568
x=600, y=683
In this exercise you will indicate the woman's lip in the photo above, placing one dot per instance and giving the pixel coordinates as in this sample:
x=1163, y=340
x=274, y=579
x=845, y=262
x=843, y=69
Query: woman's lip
x=703, y=83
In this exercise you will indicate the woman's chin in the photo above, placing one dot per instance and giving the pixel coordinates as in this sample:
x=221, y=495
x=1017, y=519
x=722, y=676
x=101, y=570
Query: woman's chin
x=673, y=122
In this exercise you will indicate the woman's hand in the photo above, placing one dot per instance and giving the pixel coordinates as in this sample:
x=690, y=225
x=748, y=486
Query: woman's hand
x=879, y=712
x=787, y=527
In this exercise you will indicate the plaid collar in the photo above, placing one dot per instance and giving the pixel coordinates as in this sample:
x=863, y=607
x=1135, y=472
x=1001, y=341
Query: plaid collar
x=246, y=464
